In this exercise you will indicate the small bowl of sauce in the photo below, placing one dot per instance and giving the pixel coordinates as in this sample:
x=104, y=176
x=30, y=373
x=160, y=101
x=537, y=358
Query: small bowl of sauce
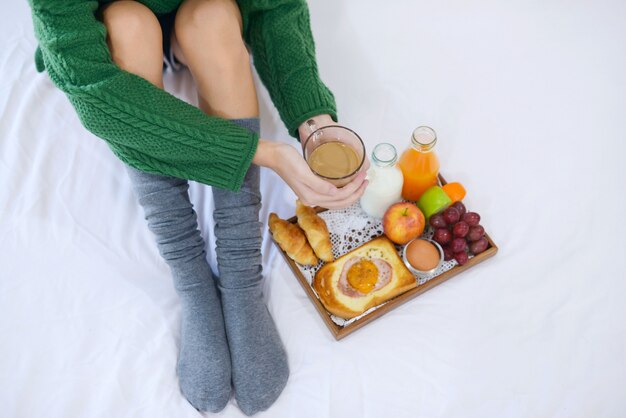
x=422, y=256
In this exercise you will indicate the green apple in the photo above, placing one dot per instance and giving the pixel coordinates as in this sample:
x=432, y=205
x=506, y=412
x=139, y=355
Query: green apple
x=432, y=201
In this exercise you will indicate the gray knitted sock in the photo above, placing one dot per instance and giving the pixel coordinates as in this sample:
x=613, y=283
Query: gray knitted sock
x=259, y=360
x=204, y=370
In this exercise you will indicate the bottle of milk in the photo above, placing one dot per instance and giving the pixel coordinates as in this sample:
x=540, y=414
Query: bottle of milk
x=385, y=181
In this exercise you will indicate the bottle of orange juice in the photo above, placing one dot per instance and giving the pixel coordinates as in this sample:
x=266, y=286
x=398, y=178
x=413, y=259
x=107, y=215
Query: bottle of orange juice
x=419, y=163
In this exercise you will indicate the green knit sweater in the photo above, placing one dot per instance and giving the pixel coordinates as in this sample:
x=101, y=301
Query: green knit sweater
x=152, y=130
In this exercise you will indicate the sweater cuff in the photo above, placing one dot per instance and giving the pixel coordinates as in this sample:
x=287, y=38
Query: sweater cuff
x=316, y=102
x=239, y=176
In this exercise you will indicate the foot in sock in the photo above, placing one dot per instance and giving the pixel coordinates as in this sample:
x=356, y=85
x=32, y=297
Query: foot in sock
x=204, y=365
x=259, y=361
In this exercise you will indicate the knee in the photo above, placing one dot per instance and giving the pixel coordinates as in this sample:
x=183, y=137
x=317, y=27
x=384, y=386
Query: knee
x=132, y=29
x=214, y=27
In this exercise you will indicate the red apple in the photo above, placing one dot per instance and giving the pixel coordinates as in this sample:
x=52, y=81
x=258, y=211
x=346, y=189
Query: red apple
x=402, y=222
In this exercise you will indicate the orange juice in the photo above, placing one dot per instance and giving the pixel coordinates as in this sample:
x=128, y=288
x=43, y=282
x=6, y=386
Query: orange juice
x=419, y=164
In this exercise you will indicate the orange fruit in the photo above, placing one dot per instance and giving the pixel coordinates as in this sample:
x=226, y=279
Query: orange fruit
x=455, y=191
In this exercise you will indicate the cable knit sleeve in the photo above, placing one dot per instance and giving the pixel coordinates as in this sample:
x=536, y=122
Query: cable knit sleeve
x=279, y=34
x=145, y=127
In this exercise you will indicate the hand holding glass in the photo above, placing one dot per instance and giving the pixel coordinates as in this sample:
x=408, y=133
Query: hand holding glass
x=334, y=153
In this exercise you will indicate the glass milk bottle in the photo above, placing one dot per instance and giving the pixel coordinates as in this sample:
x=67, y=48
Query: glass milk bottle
x=385, y=181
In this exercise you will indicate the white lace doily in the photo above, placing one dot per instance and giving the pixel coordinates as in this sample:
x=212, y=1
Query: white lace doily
x=349, y=228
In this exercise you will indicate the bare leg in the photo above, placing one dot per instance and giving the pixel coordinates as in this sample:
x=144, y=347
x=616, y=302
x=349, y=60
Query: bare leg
x=204, y=370
x=134, y=39
x=207, y=38
x=209, y=35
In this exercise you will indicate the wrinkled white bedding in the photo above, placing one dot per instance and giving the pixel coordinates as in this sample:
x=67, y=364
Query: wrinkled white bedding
x=529, y=102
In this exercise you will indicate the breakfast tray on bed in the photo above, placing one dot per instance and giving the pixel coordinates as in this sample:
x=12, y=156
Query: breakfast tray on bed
x=350, y=228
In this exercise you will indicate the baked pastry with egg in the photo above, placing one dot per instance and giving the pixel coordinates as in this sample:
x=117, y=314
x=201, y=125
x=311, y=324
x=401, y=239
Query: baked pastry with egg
x=363, y=278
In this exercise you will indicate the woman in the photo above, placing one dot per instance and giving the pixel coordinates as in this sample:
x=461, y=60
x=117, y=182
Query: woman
x=108, y=58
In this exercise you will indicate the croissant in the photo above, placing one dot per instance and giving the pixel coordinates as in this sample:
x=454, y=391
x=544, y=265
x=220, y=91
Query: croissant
x=291, y=239
x=316, y=231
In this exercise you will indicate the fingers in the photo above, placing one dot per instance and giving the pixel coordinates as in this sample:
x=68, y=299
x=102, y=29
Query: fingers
x=315, y=191
x=349, y=189
x=320, y=186
x=343, y=193
x=326, y=191
x=310, y=198
x=340, y=204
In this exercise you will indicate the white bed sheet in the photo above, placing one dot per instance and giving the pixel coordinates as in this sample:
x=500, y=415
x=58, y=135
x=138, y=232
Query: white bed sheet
x=529, y=101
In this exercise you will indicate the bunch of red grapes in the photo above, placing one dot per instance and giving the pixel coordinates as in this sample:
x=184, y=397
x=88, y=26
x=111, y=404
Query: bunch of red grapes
x=458, y=231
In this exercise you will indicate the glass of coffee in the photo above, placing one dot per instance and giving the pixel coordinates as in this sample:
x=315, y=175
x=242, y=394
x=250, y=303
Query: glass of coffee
x=334, y=153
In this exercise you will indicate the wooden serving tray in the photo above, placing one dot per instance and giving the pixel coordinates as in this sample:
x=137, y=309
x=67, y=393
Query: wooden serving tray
x=340, y=332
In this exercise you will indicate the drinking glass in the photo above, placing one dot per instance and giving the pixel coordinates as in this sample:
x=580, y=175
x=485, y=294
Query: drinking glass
x=334, y=133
